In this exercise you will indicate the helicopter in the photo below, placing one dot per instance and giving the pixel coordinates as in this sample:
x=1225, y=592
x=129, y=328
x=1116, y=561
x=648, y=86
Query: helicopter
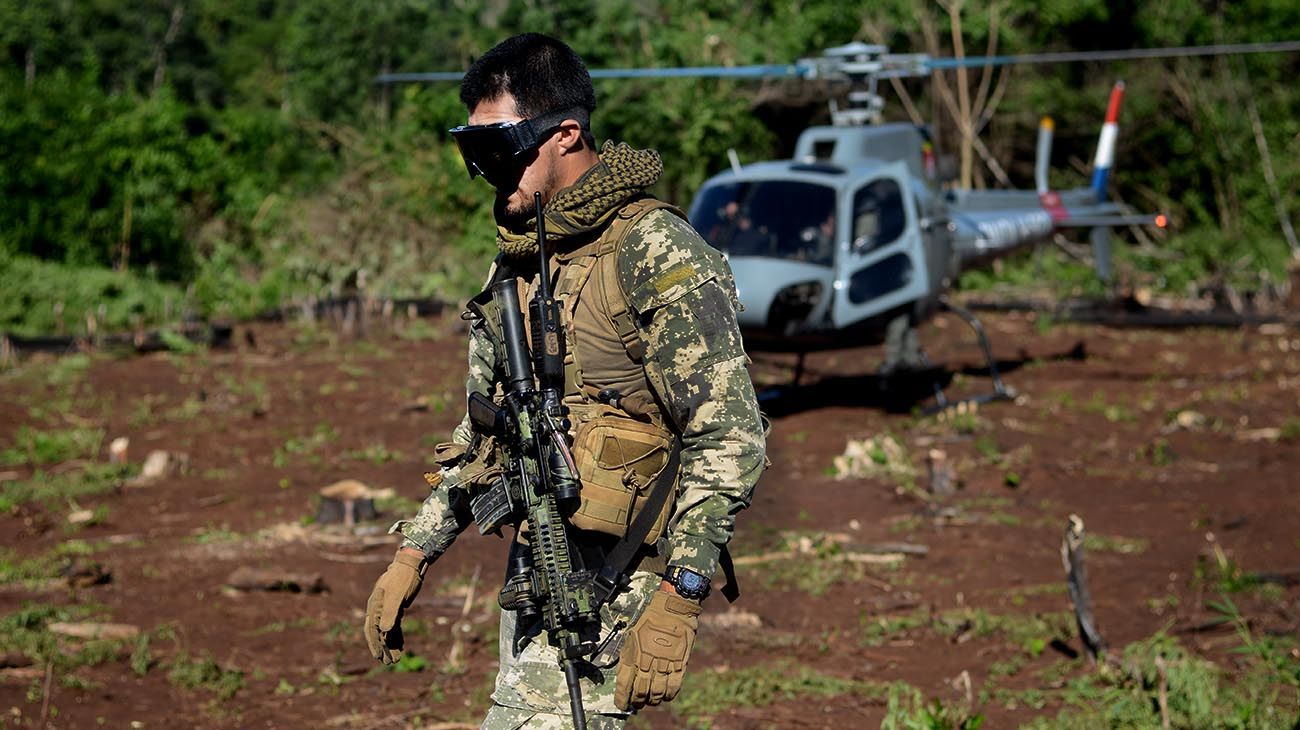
x=855, y=239
x=852, y=242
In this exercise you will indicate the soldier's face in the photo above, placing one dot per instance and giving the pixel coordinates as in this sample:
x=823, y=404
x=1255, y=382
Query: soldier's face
x=514, y=204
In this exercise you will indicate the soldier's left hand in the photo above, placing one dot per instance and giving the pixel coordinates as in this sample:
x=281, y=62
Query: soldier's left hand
x=654, y=656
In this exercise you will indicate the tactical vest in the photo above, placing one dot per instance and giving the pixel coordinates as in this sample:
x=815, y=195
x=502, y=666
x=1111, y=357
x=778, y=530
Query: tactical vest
x=621, y=440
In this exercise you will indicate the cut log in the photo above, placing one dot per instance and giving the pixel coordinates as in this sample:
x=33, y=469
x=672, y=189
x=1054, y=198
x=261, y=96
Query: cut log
x=91, y=630
x=348, y=502
x=257, y=579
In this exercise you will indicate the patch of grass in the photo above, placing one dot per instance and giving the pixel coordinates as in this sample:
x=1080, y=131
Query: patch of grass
x=141, y=659
x=67, y=370
x=53, y=491
x=375, y=454
x=179, y=343
x=879, y=630
x=962, y=418
x=330, y=681
x=715, y=691
x=1029, y=632
x=279, y=627
x=1014, y=699
x=186, y=410
x=355, y=371
x=1112, y=412
x=907, y=709
x=1115, y=544
x=1224, y=575
x=1194, y=692
x=54, y=446
x=244, y=387
x=14, y=569
x=1158, y=453
x=213, y=533
x=813, y=566
x=321, y=435
x=987, y=447
x=397, y=505
x=26, y=632
x=1009, y=667
x=420, y=330
x=206, y=674
x=1290, y=429
x=411, y=662
x=909, y=523
x=347, y=631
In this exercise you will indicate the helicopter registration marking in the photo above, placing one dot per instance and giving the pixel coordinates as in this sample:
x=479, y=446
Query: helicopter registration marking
x=673, y=277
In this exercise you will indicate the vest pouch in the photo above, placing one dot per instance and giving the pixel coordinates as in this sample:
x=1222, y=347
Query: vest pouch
x=619, y=460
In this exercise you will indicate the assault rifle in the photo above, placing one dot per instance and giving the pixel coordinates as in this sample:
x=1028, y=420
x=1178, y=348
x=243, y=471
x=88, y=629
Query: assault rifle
x=545, y=578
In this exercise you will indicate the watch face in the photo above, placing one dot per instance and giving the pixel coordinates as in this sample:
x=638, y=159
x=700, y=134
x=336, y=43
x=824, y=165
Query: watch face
x=690, y=584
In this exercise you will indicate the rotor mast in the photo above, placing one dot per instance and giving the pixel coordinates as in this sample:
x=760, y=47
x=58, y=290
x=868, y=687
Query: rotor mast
x=861, y=66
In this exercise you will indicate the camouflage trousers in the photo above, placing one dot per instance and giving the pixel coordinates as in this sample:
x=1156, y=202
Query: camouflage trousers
x=530, y=689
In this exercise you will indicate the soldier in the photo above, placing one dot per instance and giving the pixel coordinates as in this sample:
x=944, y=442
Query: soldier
x=656, y=377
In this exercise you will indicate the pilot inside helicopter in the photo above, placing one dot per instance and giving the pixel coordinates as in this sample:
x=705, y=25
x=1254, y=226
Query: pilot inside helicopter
x=782, y=219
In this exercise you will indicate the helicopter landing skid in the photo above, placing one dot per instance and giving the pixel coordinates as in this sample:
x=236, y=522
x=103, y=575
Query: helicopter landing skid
x=1000, y=389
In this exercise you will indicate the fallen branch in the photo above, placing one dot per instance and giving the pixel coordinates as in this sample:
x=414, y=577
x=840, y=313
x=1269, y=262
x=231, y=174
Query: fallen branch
x=1076, y=578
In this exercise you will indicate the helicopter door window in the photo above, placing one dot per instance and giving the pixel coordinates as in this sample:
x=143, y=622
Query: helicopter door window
x=878, y=215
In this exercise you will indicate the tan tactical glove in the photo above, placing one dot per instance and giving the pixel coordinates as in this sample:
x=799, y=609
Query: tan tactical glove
x=393, y=592
x=654, y=656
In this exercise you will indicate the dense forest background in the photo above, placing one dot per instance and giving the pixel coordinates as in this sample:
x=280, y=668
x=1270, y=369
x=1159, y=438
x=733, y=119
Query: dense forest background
x=218, y=157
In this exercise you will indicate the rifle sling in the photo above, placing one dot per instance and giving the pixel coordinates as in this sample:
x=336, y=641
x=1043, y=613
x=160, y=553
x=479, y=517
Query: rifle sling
x=613, y=574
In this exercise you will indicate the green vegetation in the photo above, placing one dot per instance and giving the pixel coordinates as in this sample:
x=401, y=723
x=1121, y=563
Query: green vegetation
x=712, y=691
x=321, y=435
x=14, y=569
x=907, y=709
x=1290, y=430
x=38, y=448
x=1158, y=683
x=1112, y=412
x=374, y=453
x=240, y=154
x=26, y=631
x=808, y=562
x=206, y=674
x=1115, y=544
x=53, y=491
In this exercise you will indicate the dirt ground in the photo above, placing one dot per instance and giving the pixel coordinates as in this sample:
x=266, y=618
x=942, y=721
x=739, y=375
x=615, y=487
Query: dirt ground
x=1179, y=451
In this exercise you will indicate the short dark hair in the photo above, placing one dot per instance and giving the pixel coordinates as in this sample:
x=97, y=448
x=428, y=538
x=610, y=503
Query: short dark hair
x=543, y=75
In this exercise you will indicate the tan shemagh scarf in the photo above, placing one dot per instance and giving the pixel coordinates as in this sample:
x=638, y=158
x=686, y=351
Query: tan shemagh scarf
x=586, y=205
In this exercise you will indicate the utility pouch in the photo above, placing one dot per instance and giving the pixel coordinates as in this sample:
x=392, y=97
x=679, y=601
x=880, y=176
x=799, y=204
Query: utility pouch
x=619, y=459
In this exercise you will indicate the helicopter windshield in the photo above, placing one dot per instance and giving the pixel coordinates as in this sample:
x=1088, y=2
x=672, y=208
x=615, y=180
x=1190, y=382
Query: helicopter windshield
x=780, y=219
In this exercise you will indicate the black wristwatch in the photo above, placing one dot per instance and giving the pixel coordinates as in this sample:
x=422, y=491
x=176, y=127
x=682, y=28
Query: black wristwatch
x=688, y=583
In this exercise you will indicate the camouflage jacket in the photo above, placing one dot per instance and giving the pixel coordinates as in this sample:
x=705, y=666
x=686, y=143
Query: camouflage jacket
x=692, y=339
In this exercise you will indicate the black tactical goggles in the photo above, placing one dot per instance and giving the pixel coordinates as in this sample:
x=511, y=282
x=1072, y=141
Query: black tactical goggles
x=497, y=150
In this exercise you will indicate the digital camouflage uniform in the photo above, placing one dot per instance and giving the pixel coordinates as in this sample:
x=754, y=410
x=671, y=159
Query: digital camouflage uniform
x=682, y=298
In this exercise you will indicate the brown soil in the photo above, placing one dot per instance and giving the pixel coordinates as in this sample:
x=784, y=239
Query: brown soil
x=1094, y=436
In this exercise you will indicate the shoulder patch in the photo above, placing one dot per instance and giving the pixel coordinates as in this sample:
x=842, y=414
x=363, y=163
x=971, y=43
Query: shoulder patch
x=674, y=276
x=662, y=259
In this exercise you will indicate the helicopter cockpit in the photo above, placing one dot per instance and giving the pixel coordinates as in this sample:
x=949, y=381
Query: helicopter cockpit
x=781, y=219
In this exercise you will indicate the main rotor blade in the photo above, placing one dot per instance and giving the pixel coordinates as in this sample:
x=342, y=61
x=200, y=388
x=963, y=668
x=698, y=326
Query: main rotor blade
x=787, y=70
x=889, y=64
x=1225, y=49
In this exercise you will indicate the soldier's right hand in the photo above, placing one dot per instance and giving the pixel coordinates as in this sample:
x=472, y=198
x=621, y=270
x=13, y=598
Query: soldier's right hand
x=393, y=592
